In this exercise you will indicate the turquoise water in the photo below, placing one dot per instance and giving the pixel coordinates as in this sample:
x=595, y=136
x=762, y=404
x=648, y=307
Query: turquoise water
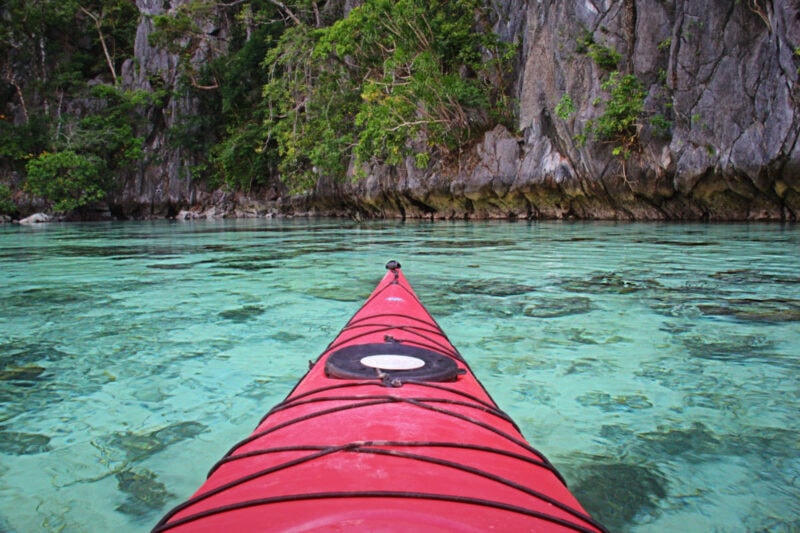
x=655, y=364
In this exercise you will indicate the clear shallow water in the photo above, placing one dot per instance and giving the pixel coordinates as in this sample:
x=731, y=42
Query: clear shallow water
x=656, y=365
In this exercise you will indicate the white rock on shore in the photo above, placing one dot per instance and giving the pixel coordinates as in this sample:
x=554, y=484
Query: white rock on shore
x=35, y=218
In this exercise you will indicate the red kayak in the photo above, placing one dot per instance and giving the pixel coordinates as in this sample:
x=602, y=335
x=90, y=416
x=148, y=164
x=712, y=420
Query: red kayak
x=388, y=431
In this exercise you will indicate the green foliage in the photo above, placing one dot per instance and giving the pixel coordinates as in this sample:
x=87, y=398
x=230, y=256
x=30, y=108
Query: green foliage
x=565, y=107
x=310, y=109
x=172, y=30
x=241, y=158
x=393, y=79
x=67, y=179
x=110, y=134
x=74, y=170
x=180, y=31
x=62, y=44
x=605, y=57
x=68, y=41
x=624, y=107
x=293, y=89
x=235, y=148
x=7, y=206
x=620, y=121
x=661, y=126
x=19, y=142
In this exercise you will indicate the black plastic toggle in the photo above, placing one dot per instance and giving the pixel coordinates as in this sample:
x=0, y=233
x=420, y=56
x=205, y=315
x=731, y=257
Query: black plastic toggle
x=392, y=265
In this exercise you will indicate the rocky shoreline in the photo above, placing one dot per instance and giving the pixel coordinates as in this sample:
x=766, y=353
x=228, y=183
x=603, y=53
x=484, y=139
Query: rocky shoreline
x=727, y=148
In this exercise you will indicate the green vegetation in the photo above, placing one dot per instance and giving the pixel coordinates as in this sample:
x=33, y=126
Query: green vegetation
x=78, y=165
x=565, y=107
x=320, y=96
x=393, y=79
x=7, y=207
x=623, y=113
x=621, y=119
x=52, y=49
x=604, y=56
x=68, y=179
x=285, y=90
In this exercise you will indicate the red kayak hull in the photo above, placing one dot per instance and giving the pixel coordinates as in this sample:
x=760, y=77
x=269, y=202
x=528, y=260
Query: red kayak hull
x=388, y=431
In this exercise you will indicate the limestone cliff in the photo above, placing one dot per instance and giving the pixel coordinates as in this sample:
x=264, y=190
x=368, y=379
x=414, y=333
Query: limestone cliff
x=724, y=73
x=162, y=181
x=717, y=137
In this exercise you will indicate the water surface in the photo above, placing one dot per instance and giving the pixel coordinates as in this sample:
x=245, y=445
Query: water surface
x=655, y=364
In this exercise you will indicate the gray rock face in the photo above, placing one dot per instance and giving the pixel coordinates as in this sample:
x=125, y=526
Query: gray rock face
x=723, y=76
x=163, y=181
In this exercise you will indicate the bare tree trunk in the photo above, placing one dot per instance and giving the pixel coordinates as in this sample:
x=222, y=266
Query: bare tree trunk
x=317, y=18
x=287, y=11
x=12, y=79
x=97, y=23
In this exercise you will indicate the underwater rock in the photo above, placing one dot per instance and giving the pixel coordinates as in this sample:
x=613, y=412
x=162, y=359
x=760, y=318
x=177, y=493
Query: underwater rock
x=768, y=442
x=558, y=307
x=676, y=304
x=286, y=336
x=242, y=314
x=612, y=282
x=493, y=306
x=22, y=375
x=571, y=336
x=731, y=348
x=246, y=263
x=339, y=293
x=620, y=436
x=137, y=446
x=19, y=354
x=615, y=404
x=751, y=277
x=144, y=493
x=751, y=310
x=491, y=287
x=178, y=432
x=717, y=398
x=690, y=443
x=534, y=393
x=171, y=266
x=444, y=304
x=19, y=443
x=590, y=364
x=615, y=493
x=507, y=365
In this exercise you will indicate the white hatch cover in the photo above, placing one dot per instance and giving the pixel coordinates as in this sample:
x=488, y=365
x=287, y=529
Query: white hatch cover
x=392, y=362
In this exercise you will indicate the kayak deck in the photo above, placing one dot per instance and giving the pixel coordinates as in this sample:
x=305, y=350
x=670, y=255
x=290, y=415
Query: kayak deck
x=388, y=430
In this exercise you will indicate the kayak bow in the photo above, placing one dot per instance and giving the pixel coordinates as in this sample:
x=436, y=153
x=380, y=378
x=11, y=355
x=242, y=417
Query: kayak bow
x=388, y=431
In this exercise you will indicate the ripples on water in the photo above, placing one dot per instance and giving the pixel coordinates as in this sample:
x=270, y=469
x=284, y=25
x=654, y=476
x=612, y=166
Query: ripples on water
x=656, y=365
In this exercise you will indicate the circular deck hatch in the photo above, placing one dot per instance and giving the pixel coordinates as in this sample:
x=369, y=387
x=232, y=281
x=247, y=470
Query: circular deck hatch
x=391, y=361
